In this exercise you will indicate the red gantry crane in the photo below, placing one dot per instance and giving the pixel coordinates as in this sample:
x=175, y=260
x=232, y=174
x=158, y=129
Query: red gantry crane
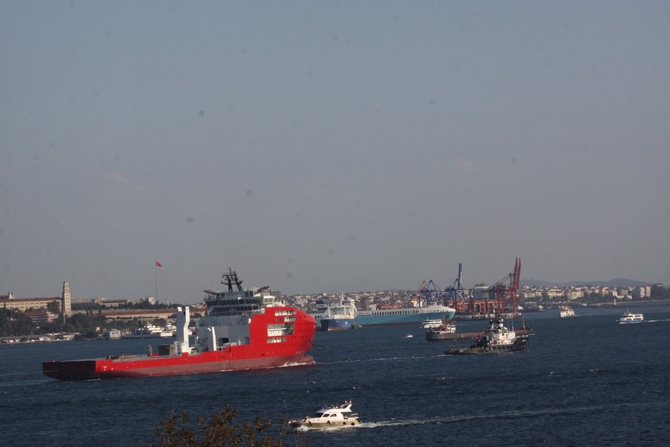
x=504, y=291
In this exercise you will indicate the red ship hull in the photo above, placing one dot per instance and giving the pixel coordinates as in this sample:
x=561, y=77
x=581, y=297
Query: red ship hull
x=263, y=351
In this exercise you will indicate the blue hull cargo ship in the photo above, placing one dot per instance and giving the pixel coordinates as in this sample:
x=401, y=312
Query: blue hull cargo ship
x=344, y=314
x=338, y=316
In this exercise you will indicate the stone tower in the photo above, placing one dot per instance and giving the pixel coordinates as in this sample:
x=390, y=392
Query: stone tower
x=67, y=304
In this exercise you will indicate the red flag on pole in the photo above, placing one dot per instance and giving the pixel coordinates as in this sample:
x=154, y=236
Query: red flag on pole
x=158, y=264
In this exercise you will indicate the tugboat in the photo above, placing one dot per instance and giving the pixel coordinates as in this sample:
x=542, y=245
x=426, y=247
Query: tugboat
x=496, y=339
x=338, y=416
x=243, y=329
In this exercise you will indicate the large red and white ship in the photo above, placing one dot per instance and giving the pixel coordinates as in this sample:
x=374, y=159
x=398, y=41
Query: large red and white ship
x=243, y=329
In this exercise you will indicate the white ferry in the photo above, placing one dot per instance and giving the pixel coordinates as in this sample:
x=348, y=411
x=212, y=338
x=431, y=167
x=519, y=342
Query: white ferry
x=567, y=312
x=430, y=324
x=629, y=318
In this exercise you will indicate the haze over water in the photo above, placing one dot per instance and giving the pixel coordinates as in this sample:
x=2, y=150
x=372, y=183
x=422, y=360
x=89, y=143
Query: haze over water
x=583, y=381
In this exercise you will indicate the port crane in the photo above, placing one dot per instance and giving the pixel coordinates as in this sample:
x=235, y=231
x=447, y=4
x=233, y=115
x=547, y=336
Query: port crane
x=504, y=291
x=455, y=293
x=430, y=292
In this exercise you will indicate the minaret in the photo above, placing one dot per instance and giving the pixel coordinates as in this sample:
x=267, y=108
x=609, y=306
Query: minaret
x=67, y=306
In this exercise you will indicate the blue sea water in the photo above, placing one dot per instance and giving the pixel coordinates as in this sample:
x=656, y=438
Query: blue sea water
x=583, y=381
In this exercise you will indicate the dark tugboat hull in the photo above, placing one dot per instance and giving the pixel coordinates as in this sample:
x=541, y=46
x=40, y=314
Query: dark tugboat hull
x=478, y=348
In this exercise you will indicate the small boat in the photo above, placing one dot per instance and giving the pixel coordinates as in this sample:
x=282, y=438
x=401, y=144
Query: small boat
x=338, y=416
x=444, y=332
x=567, y=312
x=409, y=336
x=496, y=339
x=629, y=318
x=538, y=308
x=428, y=324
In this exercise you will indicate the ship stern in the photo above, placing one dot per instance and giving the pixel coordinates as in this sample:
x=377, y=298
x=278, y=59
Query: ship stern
x=70, y=370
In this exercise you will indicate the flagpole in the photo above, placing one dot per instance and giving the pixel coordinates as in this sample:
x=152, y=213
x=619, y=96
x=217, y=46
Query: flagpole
x=156, y=276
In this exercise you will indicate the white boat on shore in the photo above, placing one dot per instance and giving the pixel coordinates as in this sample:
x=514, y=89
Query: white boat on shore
x=150, y=331
x=338, y=416
x=112, y=334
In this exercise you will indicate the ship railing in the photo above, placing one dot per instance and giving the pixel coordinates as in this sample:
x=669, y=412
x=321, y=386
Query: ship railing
x=123, y=357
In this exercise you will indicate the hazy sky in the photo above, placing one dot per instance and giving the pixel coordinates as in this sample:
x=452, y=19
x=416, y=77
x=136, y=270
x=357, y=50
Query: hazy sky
x=330, y=146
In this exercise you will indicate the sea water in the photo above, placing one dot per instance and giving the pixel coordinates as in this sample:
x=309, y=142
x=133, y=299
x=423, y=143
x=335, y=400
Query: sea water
x=582, y=381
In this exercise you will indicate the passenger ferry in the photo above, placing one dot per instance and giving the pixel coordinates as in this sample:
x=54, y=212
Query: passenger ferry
x=629, y=318
x=567, y=312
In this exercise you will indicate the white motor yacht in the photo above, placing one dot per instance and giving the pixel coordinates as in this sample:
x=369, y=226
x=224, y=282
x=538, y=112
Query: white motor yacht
x=338, y=416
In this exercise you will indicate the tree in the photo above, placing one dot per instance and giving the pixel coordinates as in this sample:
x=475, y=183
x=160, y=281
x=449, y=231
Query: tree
x=13, y=322
x=658, y=292
x=219, y=431
x=54, y=307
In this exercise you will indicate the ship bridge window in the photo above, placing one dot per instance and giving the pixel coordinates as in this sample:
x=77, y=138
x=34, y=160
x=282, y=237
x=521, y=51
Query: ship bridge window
x=280, y=329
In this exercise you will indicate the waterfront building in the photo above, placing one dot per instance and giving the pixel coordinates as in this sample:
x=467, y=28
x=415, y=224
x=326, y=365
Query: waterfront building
x=24, y=304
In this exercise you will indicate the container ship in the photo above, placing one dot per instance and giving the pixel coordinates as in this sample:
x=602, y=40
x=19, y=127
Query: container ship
x=403, y=315
x=383, y=315
x=242, y=329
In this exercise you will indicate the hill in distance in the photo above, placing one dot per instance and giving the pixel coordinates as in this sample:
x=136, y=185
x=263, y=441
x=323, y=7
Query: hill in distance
x=617, y=282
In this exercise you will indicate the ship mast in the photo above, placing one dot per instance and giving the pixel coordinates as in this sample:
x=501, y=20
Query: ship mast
x=231, y=278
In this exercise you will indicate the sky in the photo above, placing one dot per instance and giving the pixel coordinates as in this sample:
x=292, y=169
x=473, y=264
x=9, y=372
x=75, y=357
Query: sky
x=330, y=147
